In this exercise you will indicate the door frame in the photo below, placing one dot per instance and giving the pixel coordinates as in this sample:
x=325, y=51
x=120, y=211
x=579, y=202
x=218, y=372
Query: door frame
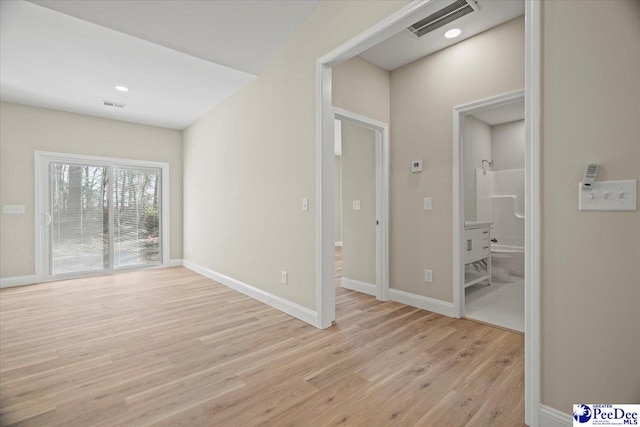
x=325, y=246
x=459, y=113
x=381, y=130
x=42, y=158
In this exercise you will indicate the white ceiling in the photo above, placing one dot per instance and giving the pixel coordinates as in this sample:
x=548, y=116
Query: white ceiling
x=404, y=47
x=53, y=60
x=244, y=35
x=503, y=114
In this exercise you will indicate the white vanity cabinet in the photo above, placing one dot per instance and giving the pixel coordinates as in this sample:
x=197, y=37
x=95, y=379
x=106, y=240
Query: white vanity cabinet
x=477, y=252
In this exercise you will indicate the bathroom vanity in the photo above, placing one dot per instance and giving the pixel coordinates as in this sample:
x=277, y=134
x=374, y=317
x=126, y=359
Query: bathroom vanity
x=477, y=252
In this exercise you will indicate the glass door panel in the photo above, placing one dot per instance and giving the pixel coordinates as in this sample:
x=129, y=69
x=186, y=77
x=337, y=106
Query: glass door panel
x=136, y=231
x=79, y=211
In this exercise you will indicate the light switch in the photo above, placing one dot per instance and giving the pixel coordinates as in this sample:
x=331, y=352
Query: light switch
x=305, y=204
x=13, y=209
x=608, y=196
x=427, y=203
x=356, y=205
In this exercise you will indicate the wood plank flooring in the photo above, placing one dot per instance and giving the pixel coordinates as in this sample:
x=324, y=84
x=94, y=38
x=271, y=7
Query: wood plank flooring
x=172, y=348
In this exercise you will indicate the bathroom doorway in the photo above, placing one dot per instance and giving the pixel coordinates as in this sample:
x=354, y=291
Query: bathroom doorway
x=491, y=159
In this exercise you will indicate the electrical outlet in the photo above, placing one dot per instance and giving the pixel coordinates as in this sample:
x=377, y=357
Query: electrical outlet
x=284, y=277
x=428, y=276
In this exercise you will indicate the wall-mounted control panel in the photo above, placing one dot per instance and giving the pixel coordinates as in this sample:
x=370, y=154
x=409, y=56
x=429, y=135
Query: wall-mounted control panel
x=608, y=196
x=13, y=209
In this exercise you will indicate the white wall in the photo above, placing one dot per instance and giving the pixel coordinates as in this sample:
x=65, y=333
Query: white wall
x=26, y=129
x=476, y=147
x=251, y=160
x=507, y=145
x=358, y=183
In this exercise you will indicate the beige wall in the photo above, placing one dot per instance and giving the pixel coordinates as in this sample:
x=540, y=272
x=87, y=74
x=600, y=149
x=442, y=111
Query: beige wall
x=257, y=150
x=25, y=129
x=363, y=88
x=489, y=64
x=477, y=146
x=358, y=183
x=507, y=146
x=590, y=260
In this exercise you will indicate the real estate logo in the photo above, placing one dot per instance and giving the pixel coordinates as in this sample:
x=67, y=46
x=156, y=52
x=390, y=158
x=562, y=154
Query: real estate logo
x=605, y=415
x=581, y=413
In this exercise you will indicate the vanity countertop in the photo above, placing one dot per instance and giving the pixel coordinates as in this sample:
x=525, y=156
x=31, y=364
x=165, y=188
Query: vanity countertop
x=476, y=224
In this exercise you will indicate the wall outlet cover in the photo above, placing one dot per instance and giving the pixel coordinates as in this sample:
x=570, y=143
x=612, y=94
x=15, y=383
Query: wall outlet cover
x=416, y=166
x=428, y=276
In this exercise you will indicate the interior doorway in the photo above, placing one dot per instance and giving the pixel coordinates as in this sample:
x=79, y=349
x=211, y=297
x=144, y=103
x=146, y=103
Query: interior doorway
x=383, y=30
x=361, y=204
x=490, y=157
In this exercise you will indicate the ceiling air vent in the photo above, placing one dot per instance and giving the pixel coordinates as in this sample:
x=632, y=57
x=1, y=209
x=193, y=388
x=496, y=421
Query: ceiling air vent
x=113, y=104
x=450, y=13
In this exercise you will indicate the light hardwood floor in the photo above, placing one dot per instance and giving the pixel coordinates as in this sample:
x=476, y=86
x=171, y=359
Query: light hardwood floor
x=172, y=348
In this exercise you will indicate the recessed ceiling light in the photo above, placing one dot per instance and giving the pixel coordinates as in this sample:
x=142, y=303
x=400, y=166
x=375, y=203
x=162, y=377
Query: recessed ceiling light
x=452, y=33
x=122, y=88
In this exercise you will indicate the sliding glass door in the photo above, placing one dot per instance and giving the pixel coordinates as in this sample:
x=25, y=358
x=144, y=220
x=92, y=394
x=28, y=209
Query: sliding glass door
x=100, y=216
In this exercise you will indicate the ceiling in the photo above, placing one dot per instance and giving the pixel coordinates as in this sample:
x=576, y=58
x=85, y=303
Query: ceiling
x=502, y=114
x=404, y=47
x=179, y=59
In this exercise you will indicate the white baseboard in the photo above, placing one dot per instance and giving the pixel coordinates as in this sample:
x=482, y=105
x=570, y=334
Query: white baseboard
x=338, y=243
x=299, y=312
x=8, y=282
x=550, y=417
x=357, y=285
x=419, y=301
x=175, y=262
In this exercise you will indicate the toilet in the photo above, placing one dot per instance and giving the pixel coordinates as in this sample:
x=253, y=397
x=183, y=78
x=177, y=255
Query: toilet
x=505, y=262
x=500, y=266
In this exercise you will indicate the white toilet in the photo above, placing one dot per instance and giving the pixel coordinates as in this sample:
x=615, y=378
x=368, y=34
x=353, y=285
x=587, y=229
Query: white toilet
x=506, y=261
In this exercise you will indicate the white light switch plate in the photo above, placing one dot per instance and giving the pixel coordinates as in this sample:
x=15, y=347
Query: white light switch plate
x=13, y=209
x=608, y=196
x=427, y=204
x=356, y=205
x=305, y=204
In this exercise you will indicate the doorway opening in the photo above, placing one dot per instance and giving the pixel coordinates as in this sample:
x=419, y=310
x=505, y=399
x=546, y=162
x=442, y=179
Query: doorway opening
x=98, y=215
x=490, y=216
x=361, y=204
x=392, y=25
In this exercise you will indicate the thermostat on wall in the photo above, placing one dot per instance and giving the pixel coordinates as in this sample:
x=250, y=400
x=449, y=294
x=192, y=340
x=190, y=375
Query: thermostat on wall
x=416, y=166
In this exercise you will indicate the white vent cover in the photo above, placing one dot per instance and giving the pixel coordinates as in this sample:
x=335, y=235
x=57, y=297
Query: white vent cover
x=447, y=14
x=113, y=104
